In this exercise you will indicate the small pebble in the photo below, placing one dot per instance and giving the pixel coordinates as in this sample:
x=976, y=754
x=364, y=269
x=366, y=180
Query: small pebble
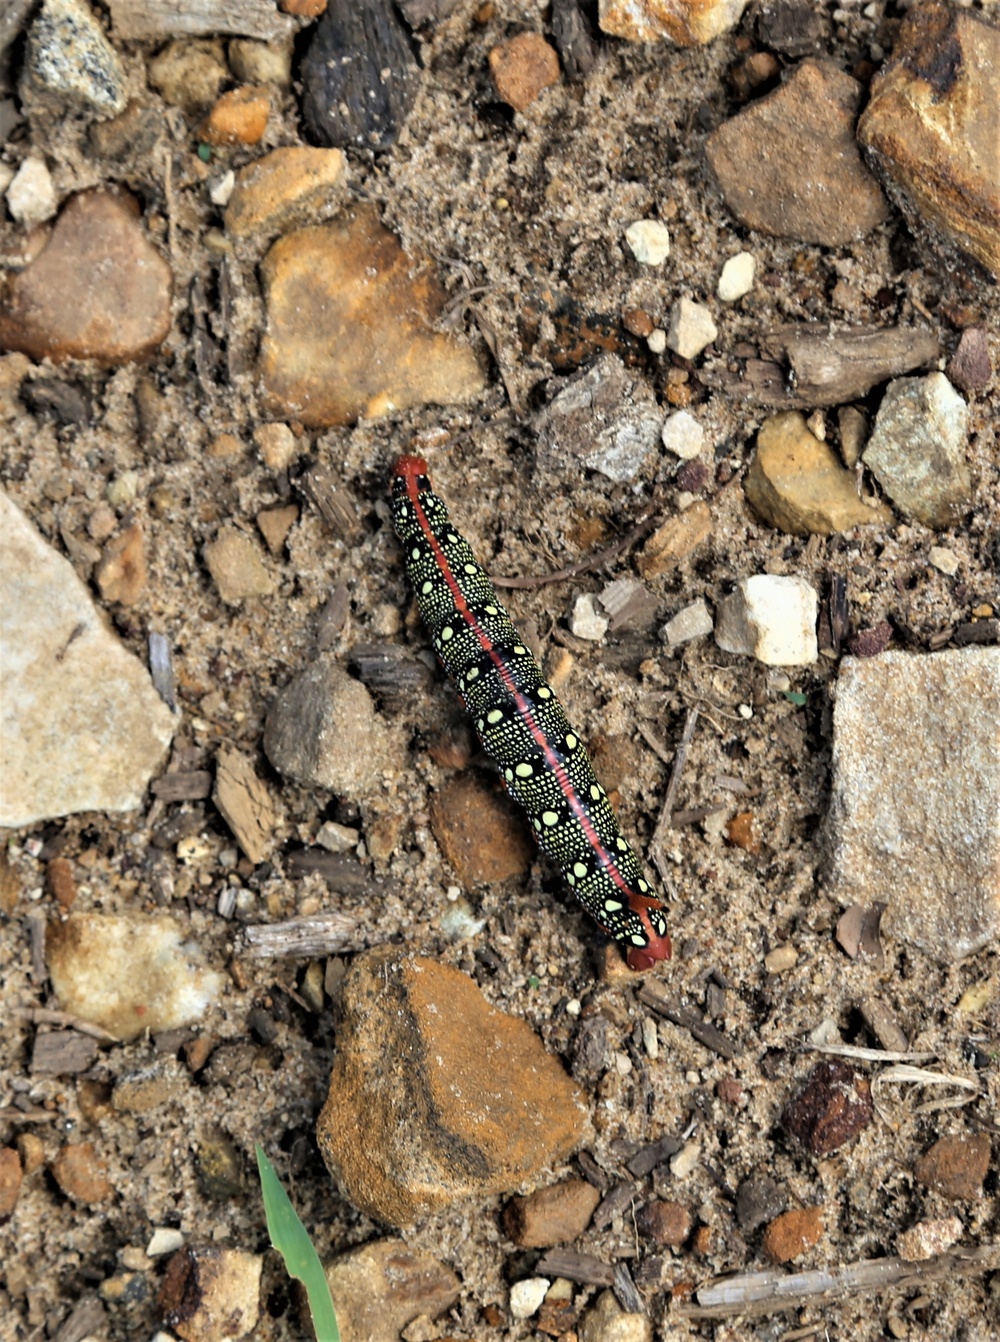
x=956, y=1166
x=648, y=241
x=189, y=75
x=771, y=618
x=210, y=1294
x=656, y=341
x=793, y=1233
x=527, y=1295
x=831, y=1109
x=82, y=1174
x=970, y=368
x=237, y=568
x=522, y=68
x=261, y=62
x=686, y=1160
x=277, y=445
x=31, y=196
x=781, y=959
x=221, y=188
x=337, y=838
x=238, y=117
x=737, y=277
x=691, y=328
x=926, y=1239
x=683, y=435
x=68, y=56
x=694, y=621
x=944, y=560
x=675, y=540
x=11, y=1175
x=586, y=621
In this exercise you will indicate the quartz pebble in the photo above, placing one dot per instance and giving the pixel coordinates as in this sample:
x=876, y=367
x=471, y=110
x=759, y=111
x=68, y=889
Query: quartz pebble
x=694, y=621
x=944, y=560
x=771, y=618
x=382, y=1288
x=31, y=196
x=286, y=185
x=930, y=128
x=69, y=58
x=586, y=621
x=417, y=1038
x=350, y=327
x=683, y=435
x=788, y=163
x=927, y=1239
x=98, y=289
x=526, y=1296
x=911, y=819
x=691, y=329
x=82, y=727
x=211, y=1294
x=687, y=23
x=737, y=277
x=522, y=68
x=796, y=484
x=128, y=974
x=606, y=1321
x=917, y=449
x=648, y=241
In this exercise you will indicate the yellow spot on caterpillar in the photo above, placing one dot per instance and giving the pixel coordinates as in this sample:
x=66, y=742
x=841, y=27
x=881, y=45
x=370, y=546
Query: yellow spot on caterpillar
x=415, y=552
x=508, y=775
x=579, y=869
x=472, y=673
x=524, y=771
x=642, y=885
x=426, y=587
x=494, y=716
x=550, y=818
x=470, y=568
x=446, y=633
x=595, y=792
x=520, y=649
x=637, y=940
x=544, y=692
x=571, y=741
x=491, y=610
x=622, y=845
x=612, y=905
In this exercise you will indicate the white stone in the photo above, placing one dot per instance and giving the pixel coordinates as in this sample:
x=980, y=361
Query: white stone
x=691, y=328
x=770, y=618
x=31, y=197
x=649, y=241
x=686, y=1160
x=164, y=1240
x=337, y=838
x=737, y=277
x=694, y=621
x=221, y=188
x=586, y=621
x=683, y=435
x=656, y=341
x=81, y=726
x=944, y=560
x=526, y=1296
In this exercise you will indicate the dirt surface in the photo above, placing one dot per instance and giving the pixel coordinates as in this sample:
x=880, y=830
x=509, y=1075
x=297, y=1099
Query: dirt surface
x=507, y=207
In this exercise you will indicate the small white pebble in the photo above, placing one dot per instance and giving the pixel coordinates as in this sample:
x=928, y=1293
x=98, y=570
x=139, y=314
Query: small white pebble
x=691, y=328
x=944, y=560
x=683, y=435
x=337, y=838
x=221, y=188
x=737, y=277
x=656, y=341
x=573, y=1007
x=745, y=711
x=31, y=197
x=586, y=621
x=685, y=1160
x=692, y=1077
x=648, y=241
x=164, y=1240
x=527, y=1295
x=650, y=1038
x=623, y=1064
x=227, y=902
x=123, y=488
x=781, y=958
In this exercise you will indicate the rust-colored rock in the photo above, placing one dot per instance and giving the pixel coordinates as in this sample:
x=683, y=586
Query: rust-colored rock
x=554, y=1215
x=834, y=1106
x=383, y=1286
x=82, y=1174
x=121, y=571
x=522, y=68
x=435, y=1095
x=677, y=538
x=239, y=117
x=792, y=1233
x=955, y=1166
x=931, y=129
x=11, y=1175
x=98, y=289
x=60, y=881
x=350, y=327
x=788, y=164
x=481, y=832
x=667, y=1223
x=211, y=1294
x=281, y=187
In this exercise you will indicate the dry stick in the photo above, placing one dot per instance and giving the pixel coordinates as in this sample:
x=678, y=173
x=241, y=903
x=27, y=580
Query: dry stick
x=756, y=1293
x=666, y=813
x=645, y=523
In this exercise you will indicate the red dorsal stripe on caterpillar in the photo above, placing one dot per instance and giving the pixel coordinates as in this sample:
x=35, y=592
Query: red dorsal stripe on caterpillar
x=521, y=722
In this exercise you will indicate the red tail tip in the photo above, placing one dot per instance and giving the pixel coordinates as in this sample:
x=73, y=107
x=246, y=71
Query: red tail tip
x=410, y=466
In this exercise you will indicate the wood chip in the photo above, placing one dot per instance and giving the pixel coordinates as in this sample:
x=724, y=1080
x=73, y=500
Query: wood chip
x=151, y=20
x=652, y=1155
x=883, y=1025
x=342, y=872
x=625, y=1291
x=619, y=1198
x=333, y=501
x=62, y=1053
x=583, y=1268
x=303, y=938
x=244, y=803
x=193, y=785
x=86, y=1318
x=652, y=995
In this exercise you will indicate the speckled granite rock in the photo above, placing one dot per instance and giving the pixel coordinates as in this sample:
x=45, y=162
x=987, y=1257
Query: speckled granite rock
x=435, y=1095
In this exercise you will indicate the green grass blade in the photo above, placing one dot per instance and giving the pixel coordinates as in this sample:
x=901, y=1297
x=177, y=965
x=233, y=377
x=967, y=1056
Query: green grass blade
x=291, y=1239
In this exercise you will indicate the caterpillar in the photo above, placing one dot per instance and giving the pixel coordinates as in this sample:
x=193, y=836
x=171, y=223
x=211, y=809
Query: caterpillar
x=521, y=723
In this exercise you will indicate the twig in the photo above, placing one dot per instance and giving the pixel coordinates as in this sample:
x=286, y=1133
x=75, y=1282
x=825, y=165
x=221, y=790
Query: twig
x=304, y=938
x=868, y=1054
x=44, y=1016
x=756, y=1293
x=645, y=523
x=666, y=813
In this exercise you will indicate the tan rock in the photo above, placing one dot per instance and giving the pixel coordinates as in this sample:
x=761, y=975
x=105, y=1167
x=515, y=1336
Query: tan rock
x=237, y=568
x=788, y=164
x=238, y=117
x=554, y=1215
x=797, y=484
x=190, y=75
x=931, y=128
x=522, y=68
x=275, y=524
x=383, y=1286
x=435, y=1095
x=350, y=320
x=211, y=1294
x=82, y=1174
x=121, y=571
x=99, y=289
x=606, y=1321
x=11, y=1175
x=688, y=23
x=956, y=1166
x=282, y=187
x=677, y=538
x=482, y=833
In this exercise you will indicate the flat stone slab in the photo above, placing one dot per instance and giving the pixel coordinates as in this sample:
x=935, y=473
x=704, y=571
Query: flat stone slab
x=914, y=818
x=81, y=726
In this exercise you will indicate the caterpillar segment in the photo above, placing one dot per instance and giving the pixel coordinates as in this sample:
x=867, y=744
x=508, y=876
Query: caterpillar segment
x=521, y=723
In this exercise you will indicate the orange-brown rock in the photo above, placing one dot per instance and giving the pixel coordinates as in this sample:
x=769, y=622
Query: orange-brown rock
x=60, y=881
x=522, y=68
x=554, y=1215
x=688, y=23
x=98, y=289
x=280, y=188
x=121, y=571
x=82, y=1174
x=238, y=117
x=481, y=832
x=11, y=1175
x=435, y=1095
x=931, y=129
x=664, y=1222
x=788, y=163
x=677, y=538
x=385, y=1285
x=956, y=1166
x=350, y=327
x=792, y=1233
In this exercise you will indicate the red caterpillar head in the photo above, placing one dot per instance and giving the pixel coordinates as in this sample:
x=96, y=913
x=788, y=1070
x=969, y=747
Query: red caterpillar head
x=657, y=945
x=409, y=467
